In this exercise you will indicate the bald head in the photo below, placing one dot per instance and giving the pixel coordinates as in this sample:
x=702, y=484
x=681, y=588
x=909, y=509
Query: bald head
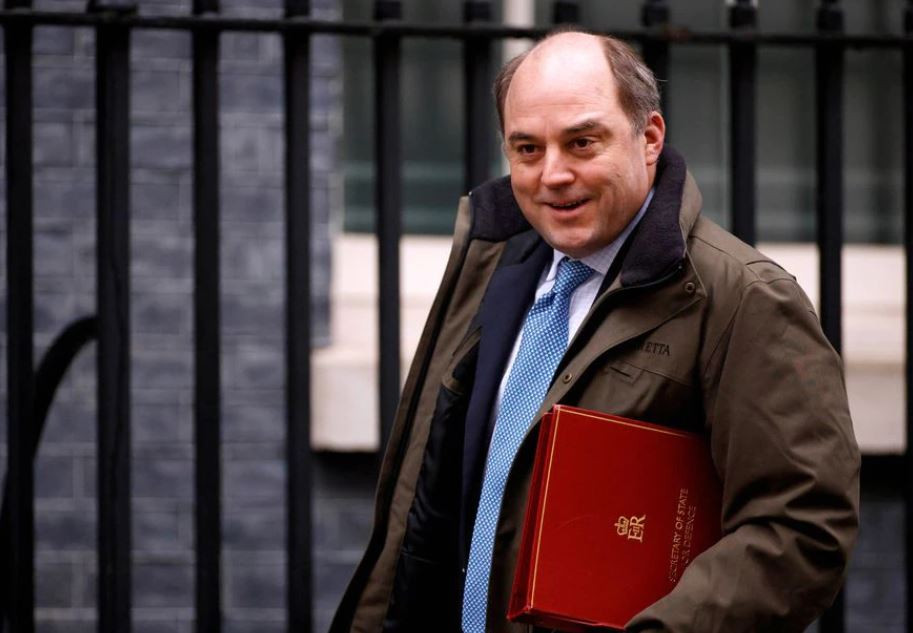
x=566, y=51
x=558, y=71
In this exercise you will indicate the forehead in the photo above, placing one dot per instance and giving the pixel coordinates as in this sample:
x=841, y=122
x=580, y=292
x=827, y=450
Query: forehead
x=560, y=82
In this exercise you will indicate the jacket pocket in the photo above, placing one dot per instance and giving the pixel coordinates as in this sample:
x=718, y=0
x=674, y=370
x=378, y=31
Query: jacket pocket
x=623, y=371
x=627, y=389
x=426, y=597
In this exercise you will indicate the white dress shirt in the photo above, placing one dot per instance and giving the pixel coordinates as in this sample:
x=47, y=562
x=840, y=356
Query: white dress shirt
x=583, y=297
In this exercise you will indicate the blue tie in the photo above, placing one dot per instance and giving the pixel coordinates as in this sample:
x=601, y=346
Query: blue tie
x=542, y=344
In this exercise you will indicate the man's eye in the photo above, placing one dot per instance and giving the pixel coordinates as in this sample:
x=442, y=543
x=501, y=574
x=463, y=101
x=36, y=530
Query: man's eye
x=526, y=148
x=581, y=143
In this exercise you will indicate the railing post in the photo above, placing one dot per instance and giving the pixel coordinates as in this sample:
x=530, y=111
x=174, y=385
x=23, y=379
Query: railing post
x=17, y=588
x=829, y=116
x=388, y=200
x=298, y=322
x=477, y=90
x=112, y=100
x=655, y=17
x=743, y=61
x=207, y=350
x=565, y=12
x=829, y=66
x=908, y=357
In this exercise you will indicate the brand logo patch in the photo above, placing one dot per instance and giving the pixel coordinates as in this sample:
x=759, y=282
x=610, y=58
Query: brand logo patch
x=655, y=347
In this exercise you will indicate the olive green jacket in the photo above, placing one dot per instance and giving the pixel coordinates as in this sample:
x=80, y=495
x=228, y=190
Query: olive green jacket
x=698, y=331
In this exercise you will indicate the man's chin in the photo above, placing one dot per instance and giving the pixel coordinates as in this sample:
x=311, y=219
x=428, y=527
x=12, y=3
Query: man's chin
x=575, y=249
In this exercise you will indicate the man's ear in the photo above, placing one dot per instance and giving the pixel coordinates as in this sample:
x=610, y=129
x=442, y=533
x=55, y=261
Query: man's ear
x=654, y=137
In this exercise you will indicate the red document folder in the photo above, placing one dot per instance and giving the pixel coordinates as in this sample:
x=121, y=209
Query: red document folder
x=618, y=508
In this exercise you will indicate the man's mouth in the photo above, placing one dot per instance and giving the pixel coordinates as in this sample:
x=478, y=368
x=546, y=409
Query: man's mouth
x=567, y=205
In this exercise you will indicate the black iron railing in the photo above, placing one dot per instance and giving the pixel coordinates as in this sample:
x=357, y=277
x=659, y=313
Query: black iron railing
x=207, y=350
x=30, y=391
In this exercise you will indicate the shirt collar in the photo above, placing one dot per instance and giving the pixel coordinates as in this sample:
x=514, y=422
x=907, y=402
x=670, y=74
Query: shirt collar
x=601, y=260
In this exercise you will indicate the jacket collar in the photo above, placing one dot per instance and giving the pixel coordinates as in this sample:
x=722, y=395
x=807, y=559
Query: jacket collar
x=658, y=244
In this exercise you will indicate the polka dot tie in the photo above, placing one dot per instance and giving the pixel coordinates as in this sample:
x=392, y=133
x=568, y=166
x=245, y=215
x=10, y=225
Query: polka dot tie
x=542, y=344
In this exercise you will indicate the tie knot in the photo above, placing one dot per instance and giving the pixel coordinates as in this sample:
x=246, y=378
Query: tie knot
x=571, y=273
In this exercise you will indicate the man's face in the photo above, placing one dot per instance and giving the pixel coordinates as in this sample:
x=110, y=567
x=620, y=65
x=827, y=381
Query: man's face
x=578, y=170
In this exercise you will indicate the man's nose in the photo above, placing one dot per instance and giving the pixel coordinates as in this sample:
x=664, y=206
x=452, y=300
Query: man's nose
x=556, y=170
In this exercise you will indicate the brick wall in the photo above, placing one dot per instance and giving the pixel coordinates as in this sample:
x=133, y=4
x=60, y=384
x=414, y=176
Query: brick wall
x=252, y=258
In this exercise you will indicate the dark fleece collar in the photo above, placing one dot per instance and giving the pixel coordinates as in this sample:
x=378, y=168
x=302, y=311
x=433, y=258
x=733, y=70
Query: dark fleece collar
x=657, y=246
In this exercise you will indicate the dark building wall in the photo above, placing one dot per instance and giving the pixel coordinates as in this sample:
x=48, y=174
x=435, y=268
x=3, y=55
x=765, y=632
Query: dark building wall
x=252, y=298
x=876, y=595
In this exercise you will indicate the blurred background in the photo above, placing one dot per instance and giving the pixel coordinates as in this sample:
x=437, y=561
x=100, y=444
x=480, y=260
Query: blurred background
x=345, y=431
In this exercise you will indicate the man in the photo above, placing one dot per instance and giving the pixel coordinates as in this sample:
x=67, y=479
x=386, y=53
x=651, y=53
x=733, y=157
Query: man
x=590, y=278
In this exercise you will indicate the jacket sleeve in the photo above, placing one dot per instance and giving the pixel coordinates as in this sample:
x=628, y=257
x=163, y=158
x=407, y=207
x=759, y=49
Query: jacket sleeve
x=783, y=444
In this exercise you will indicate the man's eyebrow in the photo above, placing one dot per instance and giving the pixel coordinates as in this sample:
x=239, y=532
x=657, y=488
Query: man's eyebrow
x=516, y=137
x=589, y=125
